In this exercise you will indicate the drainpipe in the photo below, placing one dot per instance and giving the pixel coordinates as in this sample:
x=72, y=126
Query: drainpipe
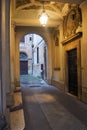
x=32, y=58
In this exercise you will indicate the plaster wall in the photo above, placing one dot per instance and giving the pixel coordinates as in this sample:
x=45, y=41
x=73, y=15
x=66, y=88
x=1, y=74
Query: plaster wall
x=37, y=65
x=26, y=49
x=84, y=50
x=58, y=60
x=59, y=76
x=56, y=66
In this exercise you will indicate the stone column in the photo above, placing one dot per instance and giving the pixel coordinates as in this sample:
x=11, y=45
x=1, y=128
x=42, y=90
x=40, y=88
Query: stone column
x=3, y=58
x=9, y=94
x=7, y=38
x=0, y=60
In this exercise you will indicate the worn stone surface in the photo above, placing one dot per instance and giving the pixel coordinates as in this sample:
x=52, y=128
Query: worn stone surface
x=17, y=116
x=46, y=108
x=17, y=120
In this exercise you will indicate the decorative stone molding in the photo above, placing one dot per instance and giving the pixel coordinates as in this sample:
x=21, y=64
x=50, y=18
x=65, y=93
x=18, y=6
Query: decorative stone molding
x=72, y=21
x=56, y=37
x=65, y=9
x=21, y=2
x=72, y=38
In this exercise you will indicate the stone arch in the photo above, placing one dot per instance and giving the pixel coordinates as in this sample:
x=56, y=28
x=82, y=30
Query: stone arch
x=39, y=34
x=46, y=34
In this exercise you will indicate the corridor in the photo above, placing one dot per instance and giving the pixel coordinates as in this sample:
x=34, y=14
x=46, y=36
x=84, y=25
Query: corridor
x=58, y=56
x=47, y=108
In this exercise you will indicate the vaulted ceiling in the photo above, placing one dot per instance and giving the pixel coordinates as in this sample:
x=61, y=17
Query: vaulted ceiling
x=27, y=12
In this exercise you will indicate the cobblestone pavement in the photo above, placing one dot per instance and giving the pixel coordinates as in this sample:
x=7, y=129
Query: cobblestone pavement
x=47, y=108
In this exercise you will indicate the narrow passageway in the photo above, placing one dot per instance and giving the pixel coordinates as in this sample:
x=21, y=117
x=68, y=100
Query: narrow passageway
x=46, y=108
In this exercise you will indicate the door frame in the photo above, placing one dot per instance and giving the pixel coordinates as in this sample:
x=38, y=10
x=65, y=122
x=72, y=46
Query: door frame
x=73, y=45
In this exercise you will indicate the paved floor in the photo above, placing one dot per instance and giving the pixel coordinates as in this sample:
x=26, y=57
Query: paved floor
x=47, y=108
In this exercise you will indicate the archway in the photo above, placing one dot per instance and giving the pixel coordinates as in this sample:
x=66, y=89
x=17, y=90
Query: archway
x=47, y=36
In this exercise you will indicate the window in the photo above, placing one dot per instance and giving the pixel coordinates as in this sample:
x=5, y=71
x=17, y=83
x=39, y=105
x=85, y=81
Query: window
x=23, y=56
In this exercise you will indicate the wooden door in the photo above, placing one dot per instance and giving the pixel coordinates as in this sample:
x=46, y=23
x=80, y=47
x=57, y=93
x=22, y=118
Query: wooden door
x=72, y=72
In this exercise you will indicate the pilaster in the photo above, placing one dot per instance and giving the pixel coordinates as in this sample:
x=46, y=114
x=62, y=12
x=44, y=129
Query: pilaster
x=17, y=62
x=12, y=55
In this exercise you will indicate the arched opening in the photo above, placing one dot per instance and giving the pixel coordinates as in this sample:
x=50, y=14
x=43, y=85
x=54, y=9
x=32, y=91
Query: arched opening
x=33, y=56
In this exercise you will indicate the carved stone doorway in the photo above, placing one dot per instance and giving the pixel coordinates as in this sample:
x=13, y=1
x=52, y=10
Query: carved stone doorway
x=72, y=77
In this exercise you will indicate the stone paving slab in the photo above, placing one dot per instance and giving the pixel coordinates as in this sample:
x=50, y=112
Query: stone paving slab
x=45, y=111
x=58, y=116
x=47, y=108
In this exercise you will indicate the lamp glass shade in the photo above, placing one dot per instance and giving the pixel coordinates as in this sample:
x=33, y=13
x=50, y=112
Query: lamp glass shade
x=43, y=18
